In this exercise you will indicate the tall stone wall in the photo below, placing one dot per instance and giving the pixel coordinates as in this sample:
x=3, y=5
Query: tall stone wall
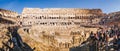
x=60, y=11
x=60, y=16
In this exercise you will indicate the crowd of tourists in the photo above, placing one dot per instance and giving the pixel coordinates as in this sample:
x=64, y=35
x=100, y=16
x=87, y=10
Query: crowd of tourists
x=106, y=39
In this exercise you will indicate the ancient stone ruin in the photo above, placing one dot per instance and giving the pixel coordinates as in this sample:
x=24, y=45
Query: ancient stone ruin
x=49, y=29
x=60, y=16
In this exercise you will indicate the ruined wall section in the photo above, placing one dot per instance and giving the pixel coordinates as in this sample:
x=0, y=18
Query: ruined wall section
x=7, y=16
x=8, y=13
x=60, y=16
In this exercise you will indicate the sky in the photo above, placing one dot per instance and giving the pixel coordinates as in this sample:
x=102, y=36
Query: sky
x=107, y=6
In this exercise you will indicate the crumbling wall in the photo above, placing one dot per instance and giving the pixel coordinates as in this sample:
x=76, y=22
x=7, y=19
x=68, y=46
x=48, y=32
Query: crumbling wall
x=8, y=13
x=60, y=16
x=49, y=40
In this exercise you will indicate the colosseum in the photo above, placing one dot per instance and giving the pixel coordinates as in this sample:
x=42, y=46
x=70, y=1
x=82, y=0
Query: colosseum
x=59, y=28
x=53, y=29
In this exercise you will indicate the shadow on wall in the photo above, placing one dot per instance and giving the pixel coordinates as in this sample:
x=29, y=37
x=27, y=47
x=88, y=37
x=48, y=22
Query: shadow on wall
x=15, y=42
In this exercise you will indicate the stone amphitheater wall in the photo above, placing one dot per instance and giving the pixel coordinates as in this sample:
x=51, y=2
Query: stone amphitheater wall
x=49, y=16
x=8, y=13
